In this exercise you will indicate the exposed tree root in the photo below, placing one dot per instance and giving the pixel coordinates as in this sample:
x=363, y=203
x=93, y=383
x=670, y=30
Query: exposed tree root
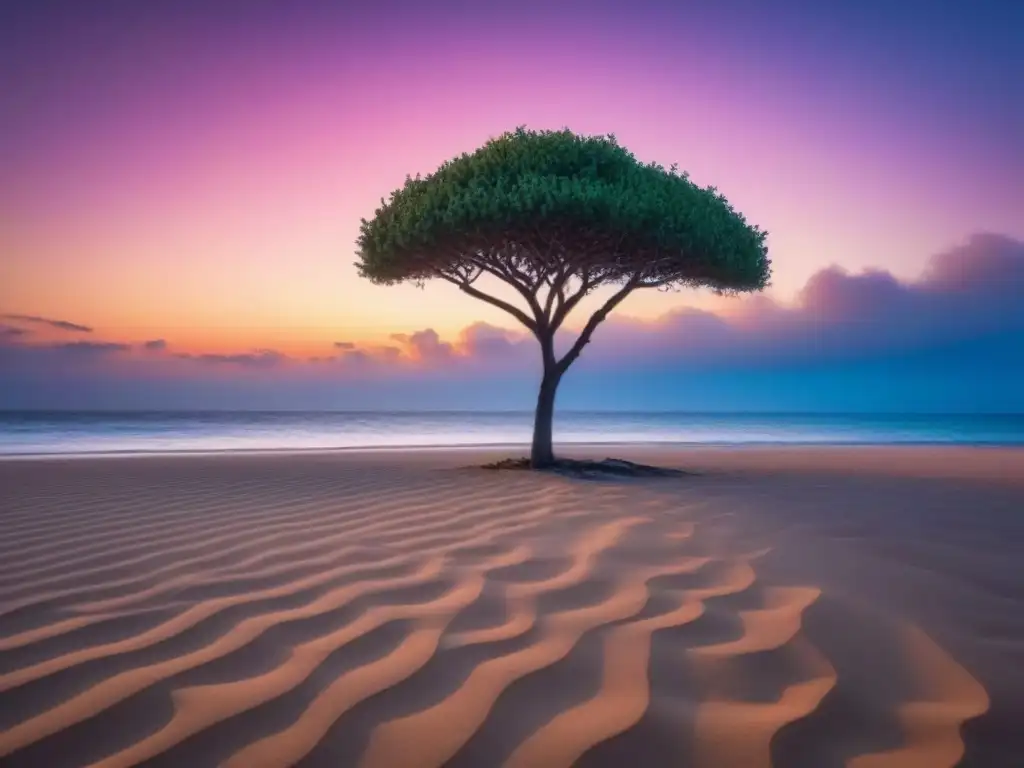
x=591, y=468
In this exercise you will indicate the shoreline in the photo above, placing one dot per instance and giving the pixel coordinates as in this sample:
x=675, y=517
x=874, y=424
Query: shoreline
x=661, y=445
x=999, y=464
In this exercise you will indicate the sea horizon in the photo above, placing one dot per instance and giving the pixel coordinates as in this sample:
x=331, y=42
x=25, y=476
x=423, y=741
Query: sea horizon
x=72, y=432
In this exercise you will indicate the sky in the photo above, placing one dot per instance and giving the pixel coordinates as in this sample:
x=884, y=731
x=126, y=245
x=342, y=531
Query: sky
x=181, y=186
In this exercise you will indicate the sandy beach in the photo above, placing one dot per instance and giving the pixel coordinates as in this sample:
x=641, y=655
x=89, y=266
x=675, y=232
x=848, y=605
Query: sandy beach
x=819, y=607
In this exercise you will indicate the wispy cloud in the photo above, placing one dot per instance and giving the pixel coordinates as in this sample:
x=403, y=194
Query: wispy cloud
x=89, y=347
x=8, y=332
x=258, y=358
x=63, y=325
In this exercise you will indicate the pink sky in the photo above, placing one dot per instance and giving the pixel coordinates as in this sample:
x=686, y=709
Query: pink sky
x=207, y=187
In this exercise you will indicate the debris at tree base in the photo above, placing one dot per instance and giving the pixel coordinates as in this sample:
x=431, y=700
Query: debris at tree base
x=592, y=468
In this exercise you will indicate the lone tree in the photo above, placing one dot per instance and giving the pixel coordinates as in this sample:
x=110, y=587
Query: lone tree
x=556, y=216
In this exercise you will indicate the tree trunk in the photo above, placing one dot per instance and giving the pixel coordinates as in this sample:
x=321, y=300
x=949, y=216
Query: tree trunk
x=542, y=454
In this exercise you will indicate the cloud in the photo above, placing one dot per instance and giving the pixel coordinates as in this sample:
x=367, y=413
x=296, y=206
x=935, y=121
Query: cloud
x=62, y=325
x=155, y=345
x=14, y=348
x=258, y=358
x=378, y=356
x=973, y=293
x=8, y=332
x=89, y=347
x=482, y=340
x=425, y=345
x=360, y=356
x=52, y=362
x=961, y=320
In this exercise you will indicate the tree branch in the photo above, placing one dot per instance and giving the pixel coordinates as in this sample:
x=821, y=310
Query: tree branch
x=595, y=320
x=505, y=274
x=517, y=313
x=566, y=305
x=557, y=283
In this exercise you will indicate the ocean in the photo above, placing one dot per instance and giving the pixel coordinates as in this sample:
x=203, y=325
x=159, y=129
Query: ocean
x=65, y=432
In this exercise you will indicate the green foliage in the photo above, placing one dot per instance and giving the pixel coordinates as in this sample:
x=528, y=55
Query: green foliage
x=552, y=200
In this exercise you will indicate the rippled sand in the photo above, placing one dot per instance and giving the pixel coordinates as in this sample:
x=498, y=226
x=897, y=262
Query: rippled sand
x=788, y=607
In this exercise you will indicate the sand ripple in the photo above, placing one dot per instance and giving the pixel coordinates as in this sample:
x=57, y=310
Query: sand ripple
x=374, y=618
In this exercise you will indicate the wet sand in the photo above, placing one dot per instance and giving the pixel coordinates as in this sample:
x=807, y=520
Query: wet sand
x=786, y=606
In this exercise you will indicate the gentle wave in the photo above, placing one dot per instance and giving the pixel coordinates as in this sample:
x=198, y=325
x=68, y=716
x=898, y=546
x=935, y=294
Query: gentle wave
x=75, y=433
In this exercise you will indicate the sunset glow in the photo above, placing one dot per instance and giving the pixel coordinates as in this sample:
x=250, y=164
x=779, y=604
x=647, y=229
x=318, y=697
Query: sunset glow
x=198, y=177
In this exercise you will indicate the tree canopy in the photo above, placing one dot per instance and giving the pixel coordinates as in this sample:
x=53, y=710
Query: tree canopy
x=539, y=209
